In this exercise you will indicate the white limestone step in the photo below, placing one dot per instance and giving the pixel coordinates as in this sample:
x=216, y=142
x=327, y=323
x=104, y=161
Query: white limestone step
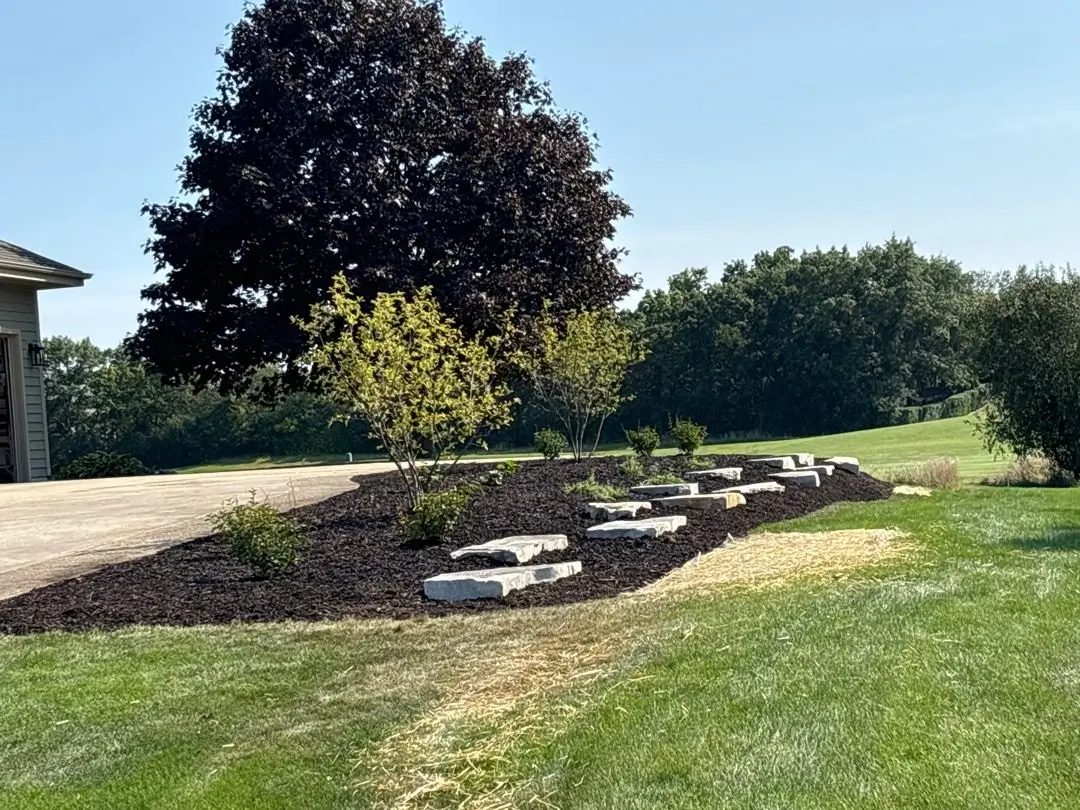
x=846, y=463
x=821, y=469
x=661, y=490
x=617, y=510
x=636, y=529
x=801, y=478
x=779, y=462
x=726, y=473
x=493, y=583
x=712, y=500
x=514, y=550
x=754, y=489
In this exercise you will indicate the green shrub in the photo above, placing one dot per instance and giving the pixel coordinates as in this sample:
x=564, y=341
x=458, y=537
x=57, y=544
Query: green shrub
x=632, y=467
x=550, y=443
x=508, y=468
x=643, y=441
x=432, y=520
x=688, y=436
x=260, y=536
x=657, y=479
x=101, y=464
x=594, y=490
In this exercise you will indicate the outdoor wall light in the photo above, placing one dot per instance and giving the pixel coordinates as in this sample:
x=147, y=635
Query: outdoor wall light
x=37, y=355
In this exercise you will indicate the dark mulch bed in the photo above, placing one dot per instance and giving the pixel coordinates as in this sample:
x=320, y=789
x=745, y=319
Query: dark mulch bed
x=359, y=565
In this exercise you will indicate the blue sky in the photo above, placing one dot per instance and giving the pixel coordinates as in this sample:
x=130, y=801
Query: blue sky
x=731, y=127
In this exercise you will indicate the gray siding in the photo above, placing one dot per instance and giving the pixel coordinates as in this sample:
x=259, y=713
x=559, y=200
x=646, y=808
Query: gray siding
x=18, y=311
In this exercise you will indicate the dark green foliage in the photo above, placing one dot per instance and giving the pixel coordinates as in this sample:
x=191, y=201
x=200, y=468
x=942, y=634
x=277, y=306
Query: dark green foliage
x=1029, y=353
x=957, y=405
x=643, y=441
x=101, y=399
x=366, y=136
x=432, y=520
x=789, y=344
x=100, y=464
x=260, y=536
x=550, y=443
x=688, y=436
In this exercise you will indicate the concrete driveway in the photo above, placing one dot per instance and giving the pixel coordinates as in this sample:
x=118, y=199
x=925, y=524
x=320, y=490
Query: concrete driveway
x=55, y=530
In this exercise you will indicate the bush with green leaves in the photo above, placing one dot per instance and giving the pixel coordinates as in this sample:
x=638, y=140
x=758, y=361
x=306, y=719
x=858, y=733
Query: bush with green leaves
x=643, y=441
x=594, y=490
x=260, y=536
x=432, y=520
x=550, y=443
x=101, y=464
x=688, y=436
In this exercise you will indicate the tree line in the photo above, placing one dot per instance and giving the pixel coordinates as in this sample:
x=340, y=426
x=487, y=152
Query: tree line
x=787, y=344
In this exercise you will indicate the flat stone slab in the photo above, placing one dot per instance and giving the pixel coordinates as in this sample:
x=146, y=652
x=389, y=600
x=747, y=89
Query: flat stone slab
x=845, y=463
x=752, y=489
x=636, y=529
x=803, y=459
x=661, y=490
x=727, y=473
x=619, y=510
x=712, y=500
x=821, y=469
x=802, y=478
x=493, y=583
x=514, y=550
x=779, y=462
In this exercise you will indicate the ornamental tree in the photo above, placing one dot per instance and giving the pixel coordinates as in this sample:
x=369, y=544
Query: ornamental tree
x=365, y=137
x=425, y=390
x=579, y=371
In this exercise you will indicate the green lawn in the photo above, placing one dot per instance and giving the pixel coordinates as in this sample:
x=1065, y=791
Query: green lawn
x=877, y=449
x=946, y=678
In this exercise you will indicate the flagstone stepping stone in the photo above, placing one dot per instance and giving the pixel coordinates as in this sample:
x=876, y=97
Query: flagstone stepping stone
x=822, y=469
x=803, y=478
x=846, y=463
x=514, y=550
x=753, y=489
x=492, y=583
x=803, y=459
x=636, y=529
x=727, y=473
x=662, y=490
x=712, y=500
x=780, y=462
x=619, y=510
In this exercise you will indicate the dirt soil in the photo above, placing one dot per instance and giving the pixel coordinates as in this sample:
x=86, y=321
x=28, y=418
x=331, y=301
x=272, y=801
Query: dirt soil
x=360, y=565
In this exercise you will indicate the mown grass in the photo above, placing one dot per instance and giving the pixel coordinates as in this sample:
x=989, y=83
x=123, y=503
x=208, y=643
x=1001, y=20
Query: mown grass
x=949, y=677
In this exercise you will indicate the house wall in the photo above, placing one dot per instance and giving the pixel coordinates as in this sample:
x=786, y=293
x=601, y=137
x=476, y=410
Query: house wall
x=19, y=312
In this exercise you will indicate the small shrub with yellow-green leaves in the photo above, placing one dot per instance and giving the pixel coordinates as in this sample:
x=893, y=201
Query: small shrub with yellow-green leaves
x=661, y=478
x=688, y=436
x=260, y=536
x=594, y=490
x=632, y=467
x=643, y=441
x=550, y=443
x=432, y=520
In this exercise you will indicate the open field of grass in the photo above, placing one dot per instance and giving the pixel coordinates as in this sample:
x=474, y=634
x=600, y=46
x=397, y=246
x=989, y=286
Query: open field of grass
x=945, y=676
x=877, y=449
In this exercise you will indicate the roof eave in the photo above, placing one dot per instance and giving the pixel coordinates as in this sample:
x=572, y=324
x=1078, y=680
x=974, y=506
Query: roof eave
x=50, y=280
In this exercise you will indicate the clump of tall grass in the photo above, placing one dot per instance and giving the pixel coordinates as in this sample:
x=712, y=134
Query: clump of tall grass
x=936, y=473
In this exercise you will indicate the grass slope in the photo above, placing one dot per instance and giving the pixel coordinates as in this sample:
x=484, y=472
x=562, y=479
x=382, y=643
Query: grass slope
x=948, y=679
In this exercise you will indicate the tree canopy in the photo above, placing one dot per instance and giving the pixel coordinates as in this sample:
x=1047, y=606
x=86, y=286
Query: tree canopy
x=365, y=137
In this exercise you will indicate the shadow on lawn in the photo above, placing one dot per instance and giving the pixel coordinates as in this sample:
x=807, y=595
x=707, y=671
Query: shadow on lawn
x=1063, y=538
